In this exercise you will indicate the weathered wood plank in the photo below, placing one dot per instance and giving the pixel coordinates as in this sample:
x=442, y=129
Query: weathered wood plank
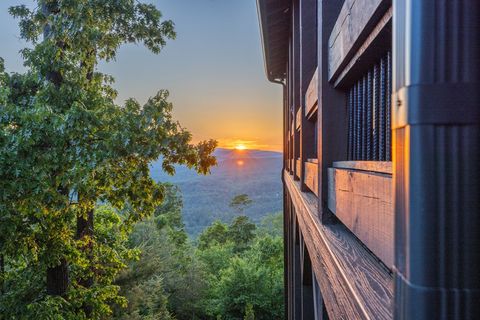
x=298, y=119
x=311, y=176
x=354, y=284
x=311, y=96
x=363, y=202
x=372, y=166
x=298, y=167
x=352, y=21
x=361, y=52
x=331, y=199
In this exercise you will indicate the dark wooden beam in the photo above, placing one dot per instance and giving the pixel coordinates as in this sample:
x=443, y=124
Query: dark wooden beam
x=353, y=25
x=332, y=113
x=308, y=52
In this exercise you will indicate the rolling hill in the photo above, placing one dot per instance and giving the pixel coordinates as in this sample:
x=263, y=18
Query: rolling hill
x=206, y=198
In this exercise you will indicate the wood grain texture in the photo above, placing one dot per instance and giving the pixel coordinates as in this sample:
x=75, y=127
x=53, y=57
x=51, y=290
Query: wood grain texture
x=311, y=96
x=311, y=176
x=298, y=166
x=353, y=283
x=298, y=119
x=351, y=23
x=363, y=202
x=371, y=166
x=360, y=53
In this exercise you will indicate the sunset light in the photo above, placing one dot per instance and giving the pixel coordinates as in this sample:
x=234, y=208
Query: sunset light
x=240, y=147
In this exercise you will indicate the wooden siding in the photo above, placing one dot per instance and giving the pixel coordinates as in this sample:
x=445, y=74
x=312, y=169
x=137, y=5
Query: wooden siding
x=311, y=97
x=362, y=200
x=298, y=119
x=353, y=284
x=298, y=167
x=311, y=176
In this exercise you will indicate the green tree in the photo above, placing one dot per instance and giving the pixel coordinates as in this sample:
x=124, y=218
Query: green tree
x=67, y=146
x=249, y=313
x=240, y=202
x=217, y=233
x=272, y=224
x=247, y=269
x=166, y=265
x=241, y=232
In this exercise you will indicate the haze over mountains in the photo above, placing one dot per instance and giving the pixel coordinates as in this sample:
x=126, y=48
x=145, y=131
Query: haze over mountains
x=206, y=198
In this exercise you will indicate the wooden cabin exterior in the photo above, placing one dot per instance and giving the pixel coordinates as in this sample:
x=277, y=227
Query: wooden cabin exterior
x=381, y=155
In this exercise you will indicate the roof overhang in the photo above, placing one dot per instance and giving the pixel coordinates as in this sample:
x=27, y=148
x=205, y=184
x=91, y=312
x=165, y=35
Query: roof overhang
x=274, y=17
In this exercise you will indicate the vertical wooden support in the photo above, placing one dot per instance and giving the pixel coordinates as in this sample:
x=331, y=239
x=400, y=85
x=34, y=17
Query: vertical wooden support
x=332, y=111
x=308, y=308
x=296, y=82
x=436, y=156
x=308, y=64
x=297, y=273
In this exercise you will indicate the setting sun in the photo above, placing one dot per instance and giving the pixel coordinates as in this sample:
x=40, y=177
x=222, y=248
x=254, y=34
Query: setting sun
x=240, y=147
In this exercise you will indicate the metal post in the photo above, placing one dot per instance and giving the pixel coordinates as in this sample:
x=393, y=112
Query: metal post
x=436, y=158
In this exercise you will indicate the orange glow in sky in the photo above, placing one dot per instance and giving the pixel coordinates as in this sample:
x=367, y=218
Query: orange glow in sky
x=246, y=144
x=240, y=147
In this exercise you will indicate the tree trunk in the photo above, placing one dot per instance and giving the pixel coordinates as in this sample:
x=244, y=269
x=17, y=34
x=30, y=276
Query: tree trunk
x=57, y=279
x=57, y=276
x=85, y=229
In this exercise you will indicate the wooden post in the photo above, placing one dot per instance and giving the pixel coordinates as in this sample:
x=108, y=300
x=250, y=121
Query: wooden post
x=331, y=116
x=296, y=96
x=308, y=64
x=436, y=158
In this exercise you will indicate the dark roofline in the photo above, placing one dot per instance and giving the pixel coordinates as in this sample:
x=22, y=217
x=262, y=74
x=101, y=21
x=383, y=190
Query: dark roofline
x=274, y=18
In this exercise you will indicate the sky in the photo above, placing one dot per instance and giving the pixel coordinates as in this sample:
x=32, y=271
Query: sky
x=214, y=71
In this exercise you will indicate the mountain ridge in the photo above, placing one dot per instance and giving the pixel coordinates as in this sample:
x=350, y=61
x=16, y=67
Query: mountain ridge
x=206, y=198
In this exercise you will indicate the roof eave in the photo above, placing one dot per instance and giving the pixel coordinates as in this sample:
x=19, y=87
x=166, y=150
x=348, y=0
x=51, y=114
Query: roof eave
x=274, y=21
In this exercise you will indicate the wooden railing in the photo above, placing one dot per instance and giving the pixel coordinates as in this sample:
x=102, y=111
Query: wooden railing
x=298, y=167
x=354, y=285
x=360, y=195
x=311, y=175
x=298, y=119
x=311, y=97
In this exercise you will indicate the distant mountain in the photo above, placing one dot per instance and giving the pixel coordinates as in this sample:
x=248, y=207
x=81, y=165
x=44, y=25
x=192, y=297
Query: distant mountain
x=206, y=198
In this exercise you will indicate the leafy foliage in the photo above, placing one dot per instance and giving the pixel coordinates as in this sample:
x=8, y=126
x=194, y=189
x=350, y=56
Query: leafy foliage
x=68, y=147
x=239, y=278
x=208, y=281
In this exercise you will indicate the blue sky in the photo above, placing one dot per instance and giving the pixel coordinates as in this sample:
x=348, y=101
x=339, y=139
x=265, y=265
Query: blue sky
x=214, y=70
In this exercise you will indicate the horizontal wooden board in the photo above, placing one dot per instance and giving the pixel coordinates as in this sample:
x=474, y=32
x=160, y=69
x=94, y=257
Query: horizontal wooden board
x=372, y=166
x=298, y=167
x=353, y=283
x=311, y=176
x=367, y=45
x=351, y=23
x=311, y=96
x=298, y=119
x=363, y=202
